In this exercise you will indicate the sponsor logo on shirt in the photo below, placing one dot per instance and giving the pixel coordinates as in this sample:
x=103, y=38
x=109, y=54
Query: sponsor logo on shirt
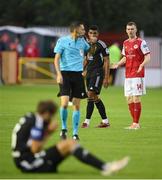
x=135, y=46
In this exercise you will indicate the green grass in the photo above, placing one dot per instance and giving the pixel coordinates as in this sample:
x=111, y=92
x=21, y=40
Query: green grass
x=143, y=146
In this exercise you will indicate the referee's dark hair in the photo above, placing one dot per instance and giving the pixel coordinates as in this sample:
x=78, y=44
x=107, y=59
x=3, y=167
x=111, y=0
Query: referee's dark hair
x=75, y=25
x=94, y=28
x=46, y=106
x=131, y=23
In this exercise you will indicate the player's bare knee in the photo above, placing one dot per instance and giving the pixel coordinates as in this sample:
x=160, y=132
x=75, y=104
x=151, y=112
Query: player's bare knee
x=129, y=99
x=65, y=147
x=65, y=106
x=136, y=99
x=71, y=144
x=76, y=107
x=76, y=104
x=91, y=94
x=96, y=98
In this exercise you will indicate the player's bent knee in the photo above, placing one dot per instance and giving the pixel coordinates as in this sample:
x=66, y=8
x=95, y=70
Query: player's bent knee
x=65, y=147
x=65, y=106
x=96, y=98
x=76, y=107
x=91, y=94
x=136, y=99
x=129, y=99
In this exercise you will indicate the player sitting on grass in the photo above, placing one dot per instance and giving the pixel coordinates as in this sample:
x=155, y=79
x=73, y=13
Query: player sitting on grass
x=30, y=135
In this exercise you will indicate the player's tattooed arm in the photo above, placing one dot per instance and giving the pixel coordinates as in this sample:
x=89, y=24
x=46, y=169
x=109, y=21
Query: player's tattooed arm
x=146, y=61
x=106, y=71
x=57, y=67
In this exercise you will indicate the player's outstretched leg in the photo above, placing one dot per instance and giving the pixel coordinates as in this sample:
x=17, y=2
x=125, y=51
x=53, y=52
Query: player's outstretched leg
x=63, y=116
x=68, y=147
x=102, y=111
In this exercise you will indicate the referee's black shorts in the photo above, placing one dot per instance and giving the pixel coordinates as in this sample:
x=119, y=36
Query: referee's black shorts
x=73, y=85
x=94, y=83
x=45, y=161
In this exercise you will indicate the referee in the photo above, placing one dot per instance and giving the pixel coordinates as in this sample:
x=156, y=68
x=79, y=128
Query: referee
x=69, y=56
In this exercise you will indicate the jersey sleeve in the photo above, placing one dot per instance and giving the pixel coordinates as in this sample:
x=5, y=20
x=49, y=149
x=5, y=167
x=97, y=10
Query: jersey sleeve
x=59, y=48
x=105, y=52
x=37, y=131
x=104, y=49
x=36, y=134
x=87, y=46
x=144, y=48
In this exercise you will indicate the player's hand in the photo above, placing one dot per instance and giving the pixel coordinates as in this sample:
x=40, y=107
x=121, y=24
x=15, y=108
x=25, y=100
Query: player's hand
x=59, y=79
x=114, y=66
x=140, y=69
x=106, y=82
x=84, y=73
x=52, y=127
x=93, y=39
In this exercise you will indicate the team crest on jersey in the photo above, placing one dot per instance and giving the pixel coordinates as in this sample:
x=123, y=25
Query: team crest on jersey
x=81, y=52
x=135, y=46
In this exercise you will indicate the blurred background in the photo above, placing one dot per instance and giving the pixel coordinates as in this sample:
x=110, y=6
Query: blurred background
x=29, y=30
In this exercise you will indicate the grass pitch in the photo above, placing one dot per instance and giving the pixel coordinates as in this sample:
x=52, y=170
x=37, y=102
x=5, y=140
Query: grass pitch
x=144, y=146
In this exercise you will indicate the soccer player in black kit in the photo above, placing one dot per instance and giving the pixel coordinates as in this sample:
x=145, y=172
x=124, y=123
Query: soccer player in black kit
x=97, y=73
x=32, y=131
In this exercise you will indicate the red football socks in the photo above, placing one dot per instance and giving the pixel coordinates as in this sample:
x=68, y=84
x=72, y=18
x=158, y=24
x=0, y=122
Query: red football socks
x=137, y=112
x=131, y=109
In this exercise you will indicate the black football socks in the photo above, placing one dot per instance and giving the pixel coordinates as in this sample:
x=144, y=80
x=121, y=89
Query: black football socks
x=90, y=108
x=101, y=108
x=87, y=158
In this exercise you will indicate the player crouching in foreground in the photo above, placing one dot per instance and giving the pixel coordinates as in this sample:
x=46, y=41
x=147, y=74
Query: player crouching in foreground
x=30, y=135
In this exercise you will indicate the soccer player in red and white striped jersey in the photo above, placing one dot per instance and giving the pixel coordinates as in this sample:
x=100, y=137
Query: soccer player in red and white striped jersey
x=136, y=55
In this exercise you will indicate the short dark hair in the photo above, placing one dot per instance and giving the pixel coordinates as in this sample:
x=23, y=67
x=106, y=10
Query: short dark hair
x=131, y=23
x=94, y=28
x=75, y=25
x=46, y=106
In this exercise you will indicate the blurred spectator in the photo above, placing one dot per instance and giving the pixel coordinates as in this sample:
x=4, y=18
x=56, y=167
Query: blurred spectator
x=51, y=53
x=5, y=38
x=2, y=45
x=31, y=49
x=16, y=46
x=115, y=55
